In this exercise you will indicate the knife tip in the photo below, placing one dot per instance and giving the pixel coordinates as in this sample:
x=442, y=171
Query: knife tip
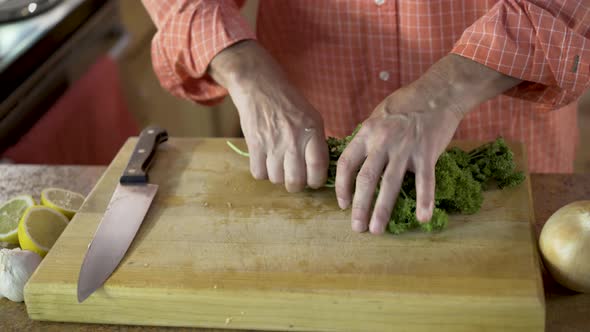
x=82, y=295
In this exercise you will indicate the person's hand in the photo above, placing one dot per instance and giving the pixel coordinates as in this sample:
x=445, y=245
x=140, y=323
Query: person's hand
x=403, y=132
x=284, y=133
x=408, y=131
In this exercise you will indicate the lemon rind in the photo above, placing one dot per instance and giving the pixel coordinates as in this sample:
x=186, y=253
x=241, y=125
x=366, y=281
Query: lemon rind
x=30, y=202
x=26, y=229
x=48, y=203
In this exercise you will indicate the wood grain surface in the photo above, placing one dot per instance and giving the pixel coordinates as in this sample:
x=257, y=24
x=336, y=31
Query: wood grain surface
x=219, y=249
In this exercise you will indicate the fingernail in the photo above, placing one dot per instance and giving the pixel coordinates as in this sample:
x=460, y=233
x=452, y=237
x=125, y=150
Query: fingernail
x=376, y=228
x=358, y=226
x=423, y=215
x=342, y=203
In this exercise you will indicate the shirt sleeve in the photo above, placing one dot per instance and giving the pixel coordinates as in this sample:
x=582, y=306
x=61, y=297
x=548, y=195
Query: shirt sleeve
x=190, y=34
x=545, y=43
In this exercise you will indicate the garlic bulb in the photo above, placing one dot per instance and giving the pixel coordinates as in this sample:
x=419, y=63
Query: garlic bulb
x=16, y=267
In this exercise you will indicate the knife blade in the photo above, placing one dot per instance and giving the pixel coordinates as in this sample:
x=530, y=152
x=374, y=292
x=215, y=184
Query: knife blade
x=123, y=216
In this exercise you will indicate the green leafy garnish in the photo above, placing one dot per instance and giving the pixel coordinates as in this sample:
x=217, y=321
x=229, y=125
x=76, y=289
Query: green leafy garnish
x=461, y=177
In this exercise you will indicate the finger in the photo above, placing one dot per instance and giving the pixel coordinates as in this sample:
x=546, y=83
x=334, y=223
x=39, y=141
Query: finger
x=258, y=164
x=316, y=161
x=425, y=182
x=364, y=193
x=388, y=192
x=274, y=168
x=295, y=173
x=349, y=163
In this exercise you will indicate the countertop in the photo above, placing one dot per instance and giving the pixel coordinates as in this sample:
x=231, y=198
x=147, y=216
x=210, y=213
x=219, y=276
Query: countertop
x=565, y=310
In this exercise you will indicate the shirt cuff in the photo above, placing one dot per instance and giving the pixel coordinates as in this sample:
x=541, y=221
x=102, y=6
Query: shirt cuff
x=506, y=40
x=184, y=73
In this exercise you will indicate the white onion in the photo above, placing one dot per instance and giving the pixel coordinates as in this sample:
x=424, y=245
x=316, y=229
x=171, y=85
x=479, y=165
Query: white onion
x=565, y=246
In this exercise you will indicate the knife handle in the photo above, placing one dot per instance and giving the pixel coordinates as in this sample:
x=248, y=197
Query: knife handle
x=143, y=155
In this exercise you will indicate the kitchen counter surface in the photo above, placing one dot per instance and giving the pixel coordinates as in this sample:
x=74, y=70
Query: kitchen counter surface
x=566, y=310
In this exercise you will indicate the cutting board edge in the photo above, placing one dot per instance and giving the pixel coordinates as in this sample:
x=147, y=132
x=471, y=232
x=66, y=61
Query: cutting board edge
x=527, y=313
x=533, y=233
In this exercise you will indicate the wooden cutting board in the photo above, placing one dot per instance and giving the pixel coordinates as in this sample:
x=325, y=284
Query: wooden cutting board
x=220, y=249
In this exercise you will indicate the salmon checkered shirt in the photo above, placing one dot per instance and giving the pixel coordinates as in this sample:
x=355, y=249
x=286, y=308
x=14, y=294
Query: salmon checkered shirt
x=347, y=56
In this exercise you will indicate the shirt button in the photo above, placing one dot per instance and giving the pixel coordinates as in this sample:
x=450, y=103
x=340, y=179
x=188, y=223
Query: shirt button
x=384, y=76
x=379, y=2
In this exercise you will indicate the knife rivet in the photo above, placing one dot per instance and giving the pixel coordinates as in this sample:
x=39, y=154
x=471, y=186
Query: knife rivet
x=141, y=151
x=151, y=131
x=132, y=170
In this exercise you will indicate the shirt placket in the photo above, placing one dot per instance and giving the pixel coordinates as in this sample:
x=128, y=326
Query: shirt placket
x=387, y=67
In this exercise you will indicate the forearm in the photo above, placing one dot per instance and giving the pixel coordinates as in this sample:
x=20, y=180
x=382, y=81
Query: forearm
x=461, y=83
x=243, y=63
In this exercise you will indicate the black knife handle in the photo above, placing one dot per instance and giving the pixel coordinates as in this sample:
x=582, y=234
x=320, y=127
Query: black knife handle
x=143, y=155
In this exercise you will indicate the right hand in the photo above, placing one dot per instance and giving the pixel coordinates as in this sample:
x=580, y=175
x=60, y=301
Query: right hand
x=283, y=131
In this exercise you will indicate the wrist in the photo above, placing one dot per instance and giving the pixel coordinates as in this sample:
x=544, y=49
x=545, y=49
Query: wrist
x=236, y=63
x=462, y=84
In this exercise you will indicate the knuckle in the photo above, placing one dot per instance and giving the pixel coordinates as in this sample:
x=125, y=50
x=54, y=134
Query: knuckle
x=317, y=164
x=293, y=152
x=367, y=178
x=342, y=190
x=344, y=163
x=291, y=135
x=389, y=181
x=343, y=194
x=382, y=214
x=380, y=139
x=427, y=175
x=360, y=208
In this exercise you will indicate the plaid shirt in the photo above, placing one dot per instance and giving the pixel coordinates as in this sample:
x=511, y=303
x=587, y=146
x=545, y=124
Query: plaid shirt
x=347, y=56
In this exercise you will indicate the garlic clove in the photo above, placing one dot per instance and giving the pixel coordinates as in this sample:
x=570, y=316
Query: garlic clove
x=16, y=267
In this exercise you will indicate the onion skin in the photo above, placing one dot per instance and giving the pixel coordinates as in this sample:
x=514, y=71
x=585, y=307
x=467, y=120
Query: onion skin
x=565, y=246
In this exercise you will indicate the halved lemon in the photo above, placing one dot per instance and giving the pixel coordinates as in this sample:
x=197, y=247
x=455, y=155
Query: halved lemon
x=10, y=215
x=39, y=228
x=62, y=200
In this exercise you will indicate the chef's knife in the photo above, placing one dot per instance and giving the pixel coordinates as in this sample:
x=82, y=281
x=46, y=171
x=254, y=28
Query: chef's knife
x=124, y=214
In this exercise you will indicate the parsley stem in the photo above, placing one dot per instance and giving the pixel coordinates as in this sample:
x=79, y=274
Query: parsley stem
x=237, y=150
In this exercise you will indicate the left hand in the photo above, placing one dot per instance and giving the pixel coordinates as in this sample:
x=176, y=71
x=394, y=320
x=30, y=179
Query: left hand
x=408, y=130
